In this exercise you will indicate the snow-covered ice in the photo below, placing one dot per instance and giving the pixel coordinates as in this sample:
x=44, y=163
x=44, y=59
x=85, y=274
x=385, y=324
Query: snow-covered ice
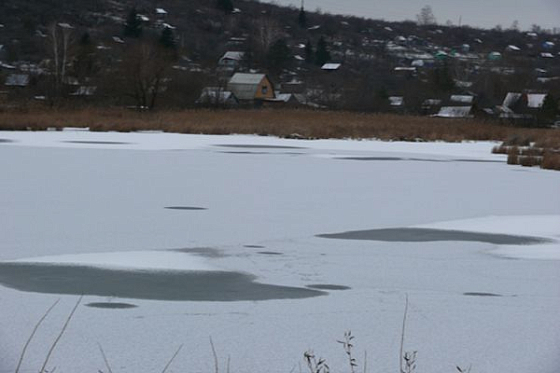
x=76, y=199
x=131, y=260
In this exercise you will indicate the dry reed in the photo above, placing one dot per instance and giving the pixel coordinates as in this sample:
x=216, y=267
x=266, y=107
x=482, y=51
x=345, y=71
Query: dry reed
x=282, y=123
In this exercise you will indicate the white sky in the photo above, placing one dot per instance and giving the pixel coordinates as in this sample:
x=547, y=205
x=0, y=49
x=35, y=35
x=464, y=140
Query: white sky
x=480, y=13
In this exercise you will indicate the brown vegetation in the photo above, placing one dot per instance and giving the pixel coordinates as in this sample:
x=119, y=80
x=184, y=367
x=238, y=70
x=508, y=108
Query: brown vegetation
x=282, y=123
x=524, y=146
x=551, y=161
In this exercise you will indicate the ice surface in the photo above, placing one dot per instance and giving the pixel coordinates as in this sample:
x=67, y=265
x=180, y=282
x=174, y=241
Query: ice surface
x=130, y=260
x=59, y=200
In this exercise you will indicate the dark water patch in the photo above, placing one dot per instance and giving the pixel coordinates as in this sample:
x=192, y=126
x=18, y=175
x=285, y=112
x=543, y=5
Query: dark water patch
x=186, y=208
x=477, y=161
x=6, y=141
x=254, y=246
x=97, y=142
x=153, y=285
x=391, y=159
x=269, y=253
x=232, y=152
x=328, y=287
x=427, y=160
x=260, y=153
x=206, y=252
x=431, y=235
x=254, y=146
x=111, y=305
x=477, y=294
x=372, y=158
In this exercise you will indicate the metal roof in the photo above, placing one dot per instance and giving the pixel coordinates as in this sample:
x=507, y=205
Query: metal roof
x=331, y=66
x=511, y=99
x=233, y=55
x=463, y=99
x=535, y=100
x=244, y=78
x=455, y=112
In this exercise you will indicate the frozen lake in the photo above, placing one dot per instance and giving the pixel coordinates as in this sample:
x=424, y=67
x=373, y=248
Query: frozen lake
x=273, y=247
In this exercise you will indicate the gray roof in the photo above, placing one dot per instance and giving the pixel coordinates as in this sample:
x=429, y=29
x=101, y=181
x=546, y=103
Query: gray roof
x=233, y=55
x=511, y=99
x=244, y=78
x=455, y=112
x=535, y=100
x=463, y=99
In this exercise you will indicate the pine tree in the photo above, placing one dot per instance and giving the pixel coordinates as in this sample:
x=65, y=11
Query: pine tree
x=225, y=5
x=167, y=39
x=309, y=55
x=278, y=55
x=549, y=109
x=85, y=39
x=302, y=18
x=322, y=55
x=133, y=25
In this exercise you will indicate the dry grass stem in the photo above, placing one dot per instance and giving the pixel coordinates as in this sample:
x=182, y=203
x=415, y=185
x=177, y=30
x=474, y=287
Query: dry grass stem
x=104, y=358
x=216, y=364
x=57, y=339
x=172, y=358
x=347, y=345
x=24, y=350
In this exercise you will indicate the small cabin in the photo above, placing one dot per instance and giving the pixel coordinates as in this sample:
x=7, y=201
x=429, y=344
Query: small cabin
x=251, y=87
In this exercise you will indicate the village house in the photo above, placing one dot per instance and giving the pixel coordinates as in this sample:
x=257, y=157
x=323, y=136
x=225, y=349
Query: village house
x=251, y=87
x=521, y=107
x=217, y=96
x=455, y=112
x=17, y=80
x=231, y=60
x=293, y=100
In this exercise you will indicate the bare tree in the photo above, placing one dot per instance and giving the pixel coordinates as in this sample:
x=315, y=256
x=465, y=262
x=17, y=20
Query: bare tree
x=143, y=69
x=426, y=16
x=268, y=31
x=60, y=43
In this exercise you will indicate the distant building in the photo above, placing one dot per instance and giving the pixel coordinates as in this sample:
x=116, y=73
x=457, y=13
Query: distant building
x=521, y=108
x=396, y=102
x=17, y=80
x=251, y=87
x=455, y=112
x=216, y=96
x=331, y=66
x=84, y=91
x=287, y=100
x=462, y=99
x=231, y=60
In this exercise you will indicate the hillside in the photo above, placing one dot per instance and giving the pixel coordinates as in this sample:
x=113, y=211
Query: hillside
x=380, y=61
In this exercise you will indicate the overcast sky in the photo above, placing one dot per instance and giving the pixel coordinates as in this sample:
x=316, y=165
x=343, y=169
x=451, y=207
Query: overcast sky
x=480, y=13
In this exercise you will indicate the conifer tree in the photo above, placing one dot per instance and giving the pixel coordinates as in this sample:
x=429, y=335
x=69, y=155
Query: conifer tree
x=322, y=55
x=278, y=55
x=167, y=38
x=225, y=5
x=133, y=25
x=309, y=55
x=302, y=18
x=549, y=109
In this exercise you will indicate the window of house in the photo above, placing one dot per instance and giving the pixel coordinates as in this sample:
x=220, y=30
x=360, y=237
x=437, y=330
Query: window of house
x=264, y=89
